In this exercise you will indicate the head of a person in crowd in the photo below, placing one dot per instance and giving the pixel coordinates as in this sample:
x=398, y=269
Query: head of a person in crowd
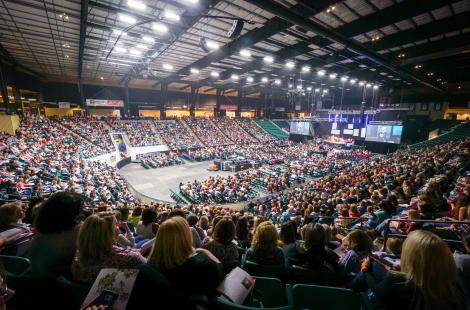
x=124, y=212
x=466, y=242
x=241, y=228
x=394, y=246
x=265, y=238
x=10, y=214
x=173, y=244
x=358, y=241
x=314, y=236
x=96, y=237
x=137, y=211
x=427, y=262
x=258, y=220
x=204, y=222
x=464, y=214
x=288, y=233
x=192, y=220
x=30, y=213
x=224, y=231
x=177, y=212
x=149, y=215
x=61, y=212
x=413, y=214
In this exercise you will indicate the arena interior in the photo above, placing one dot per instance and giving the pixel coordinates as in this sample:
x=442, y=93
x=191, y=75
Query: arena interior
x=234, y=154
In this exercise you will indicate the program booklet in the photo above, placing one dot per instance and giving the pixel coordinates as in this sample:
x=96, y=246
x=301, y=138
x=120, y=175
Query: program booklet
x=236, y=286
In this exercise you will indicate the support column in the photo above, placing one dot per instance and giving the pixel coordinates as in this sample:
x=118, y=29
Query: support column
x=240, y=102
x=83, y=104
x=3, y=88
x=193, y=100
x=127, y=110
x=17, y=98
x=164, y=99
x=218, y=99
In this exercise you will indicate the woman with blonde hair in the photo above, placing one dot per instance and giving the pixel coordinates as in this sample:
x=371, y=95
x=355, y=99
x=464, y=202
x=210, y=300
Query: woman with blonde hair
x=427, y=280
x=97, y=248
x=264, y=249
x=194, y=271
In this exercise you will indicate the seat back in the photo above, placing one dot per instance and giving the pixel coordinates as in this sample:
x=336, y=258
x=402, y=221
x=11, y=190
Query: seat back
x=270, y=271
x=324, y=298
x=302, y=275
x=74, y=292
x=14, y=265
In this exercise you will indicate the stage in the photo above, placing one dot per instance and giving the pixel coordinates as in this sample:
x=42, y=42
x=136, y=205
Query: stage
x=155, y=184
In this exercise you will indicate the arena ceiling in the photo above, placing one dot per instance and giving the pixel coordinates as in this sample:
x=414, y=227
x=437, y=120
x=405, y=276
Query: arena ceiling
x=283, y=43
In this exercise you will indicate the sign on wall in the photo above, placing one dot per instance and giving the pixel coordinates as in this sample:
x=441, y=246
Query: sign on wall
x=104, y=103
x=64, y=105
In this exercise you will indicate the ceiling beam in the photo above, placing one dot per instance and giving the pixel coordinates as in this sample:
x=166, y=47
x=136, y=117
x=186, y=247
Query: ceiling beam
x=83, y=27
x=8, y=57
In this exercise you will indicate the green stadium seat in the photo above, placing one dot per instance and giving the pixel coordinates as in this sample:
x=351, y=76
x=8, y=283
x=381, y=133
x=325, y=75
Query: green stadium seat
x=75, y=293
x=323, y=298
x=14, y=265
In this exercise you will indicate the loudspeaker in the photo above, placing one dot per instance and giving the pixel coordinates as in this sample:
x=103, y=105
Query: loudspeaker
x=236, y=28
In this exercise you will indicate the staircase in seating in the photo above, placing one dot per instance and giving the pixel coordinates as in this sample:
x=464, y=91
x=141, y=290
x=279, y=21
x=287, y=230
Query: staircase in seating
x=271, y=128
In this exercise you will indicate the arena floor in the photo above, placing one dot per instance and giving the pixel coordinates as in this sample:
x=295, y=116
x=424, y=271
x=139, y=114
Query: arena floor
x=156, y=183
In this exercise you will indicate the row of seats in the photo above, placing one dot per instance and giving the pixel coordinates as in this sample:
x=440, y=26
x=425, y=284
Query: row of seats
x=271, y=128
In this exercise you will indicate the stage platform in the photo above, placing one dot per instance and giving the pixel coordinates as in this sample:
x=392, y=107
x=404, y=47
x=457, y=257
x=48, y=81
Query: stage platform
x=156, y=183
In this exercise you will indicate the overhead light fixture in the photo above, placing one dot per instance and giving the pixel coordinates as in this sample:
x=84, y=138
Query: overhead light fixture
x=101, y=78
x=290, y=64
x=168, y=67
x=353, y=81
x=418, y=67
x=142, y=46
x=332, y=76
x=209, y=45
x=430, y=73
x=234, y=77
x=325, y=91
x=309, y=88
x=66, y=56
x=376, y=86
x=299, y=87
x=135, y=52
x=118, y=32
x=135, y=4
x=120, y=49
x=191, y=1
x=215, y=74
x=291, y=85
x=66, y=45
x=264, y=79
x=361, y=83
x=368, y=85
x=321, y=72
x=148, y=39
x=459, y=87
x=250, y=79
x=168, y=14
x=268, y=59
x=159, y=27
x=245, y=53
x=344, y=79
x=305, y=69
x=194, y=70
x=317, y=90
x=128, y=19
x=277, y=82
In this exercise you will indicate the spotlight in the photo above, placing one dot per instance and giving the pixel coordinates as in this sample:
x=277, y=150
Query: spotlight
x=208, y=45
x=234, y=77
x=148, y=39
x=171, y=15
x=299, y=87
x=361, y=83
x=134, y=4
x=325, y=91
x=250, y=79
x=245, y=53
x=353, y=81
x=321, y=73
x=194, y=70
x=101, y=78
x=368, y=85
x=305, y=69
x=277, y=82
x=317, y=90
x=264, y=79
x=168, y=67
x=127, y=18
x=290, y=64
x=291, y=85
x=344, y=79
x=376, y=86
x=215, y=74
x=332, y=76
x=309, y=88
x=268, y=59
x=159, y=27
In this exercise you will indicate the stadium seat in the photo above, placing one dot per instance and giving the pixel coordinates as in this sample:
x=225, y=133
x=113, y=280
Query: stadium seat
x=271, y=271
x=323, y=298
x=268, y=293
x=302, y=275
x=75, y=293
x=14, y=265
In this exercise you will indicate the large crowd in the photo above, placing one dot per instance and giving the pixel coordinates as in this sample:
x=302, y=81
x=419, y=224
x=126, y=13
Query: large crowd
x=140, y=133
x=176, y=135
x=336, y=223
x=207, y=132
x=93, y=130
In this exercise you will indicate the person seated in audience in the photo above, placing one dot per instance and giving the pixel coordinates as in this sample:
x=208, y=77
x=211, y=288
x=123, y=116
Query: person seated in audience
x=196, y=240
x=264, y=249
x=288, y=239
x=136, y=215
x=358, y=245
x=56, y=229
x=313, y=252
x=427, y=279
x=222, y=242
x=462, y=260
x=11, y=216
x=194, y=271
x=193, y=223
x=97, y=249
x=147, y=228
x=242, y=232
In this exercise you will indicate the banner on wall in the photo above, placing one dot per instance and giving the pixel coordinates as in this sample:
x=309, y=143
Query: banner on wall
x=104, y=103
x=64, y=105
x=228, y=107
x=280, y=109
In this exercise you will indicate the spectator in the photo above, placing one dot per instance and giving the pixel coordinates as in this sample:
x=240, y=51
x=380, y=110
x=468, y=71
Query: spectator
x=97, y=249
x=357, y=245
x=264, y=249
x=147, y=228
x=222, y=243
x=11, y=215
x=193, y=271
x=462, y=261
x=243, y=235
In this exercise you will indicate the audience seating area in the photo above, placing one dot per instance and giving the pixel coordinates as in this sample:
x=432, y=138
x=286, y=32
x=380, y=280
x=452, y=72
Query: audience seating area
x=271, y=128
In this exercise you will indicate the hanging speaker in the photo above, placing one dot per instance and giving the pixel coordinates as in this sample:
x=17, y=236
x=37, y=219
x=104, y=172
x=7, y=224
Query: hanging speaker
x=236, y=29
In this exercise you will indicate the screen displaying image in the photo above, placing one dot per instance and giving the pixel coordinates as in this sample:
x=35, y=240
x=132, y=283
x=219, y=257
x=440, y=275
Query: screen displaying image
x=300, y=128
x=384, y=133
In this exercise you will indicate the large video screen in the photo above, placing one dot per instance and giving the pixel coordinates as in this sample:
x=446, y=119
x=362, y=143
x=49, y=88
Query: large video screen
x=300, y=128
x=384, y=133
